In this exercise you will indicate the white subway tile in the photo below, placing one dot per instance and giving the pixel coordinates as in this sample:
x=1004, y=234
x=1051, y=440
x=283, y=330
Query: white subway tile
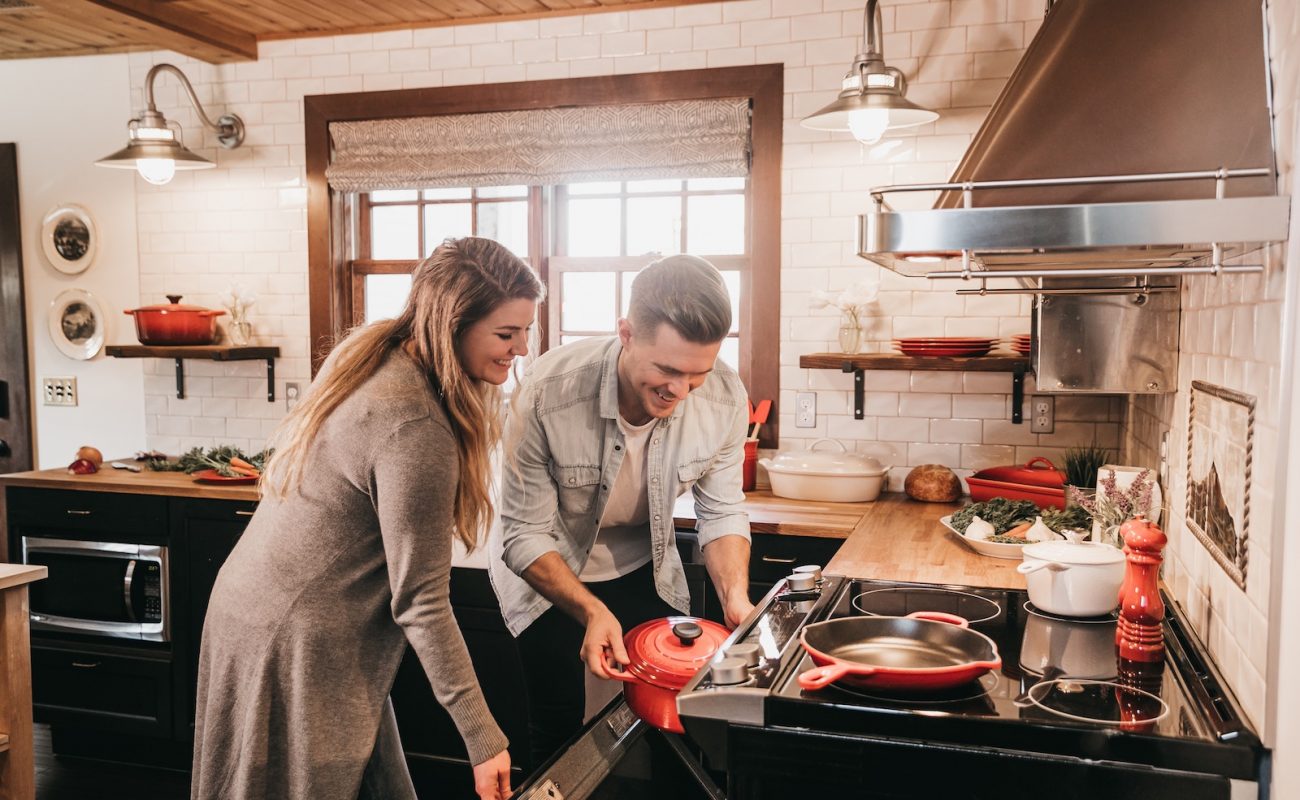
x=610, y=22
x=936, y=382
x=491, y=54
x=415, y=59
x=695, y=15
x=922, y=404
x=919, y=453
x=903, y=429
x=765, y=31
x=994, y=37
x=651, y=19
x=614, y=45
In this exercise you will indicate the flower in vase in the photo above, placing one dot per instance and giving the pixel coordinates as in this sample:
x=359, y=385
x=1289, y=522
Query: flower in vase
x=237, y=300
x=1111, y=506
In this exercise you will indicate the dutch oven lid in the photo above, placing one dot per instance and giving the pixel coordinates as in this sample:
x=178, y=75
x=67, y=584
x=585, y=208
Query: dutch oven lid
x=1078, y=553
x=175, y=306
x=822, y=462
x=667, y=652
x=1038, y=472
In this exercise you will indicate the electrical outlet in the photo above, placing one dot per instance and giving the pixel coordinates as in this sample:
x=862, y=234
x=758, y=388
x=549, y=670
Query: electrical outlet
x=59, y=391
x=291, y=395
x=805, y=410
x=1042, y=414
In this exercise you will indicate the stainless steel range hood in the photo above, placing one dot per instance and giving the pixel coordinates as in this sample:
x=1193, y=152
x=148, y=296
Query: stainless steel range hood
x=1134, y=138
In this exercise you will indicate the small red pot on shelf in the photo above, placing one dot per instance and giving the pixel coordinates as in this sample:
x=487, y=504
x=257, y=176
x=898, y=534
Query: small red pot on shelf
x=172, y=323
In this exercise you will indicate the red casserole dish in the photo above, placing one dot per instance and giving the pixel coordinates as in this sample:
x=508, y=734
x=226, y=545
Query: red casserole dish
x=924, y=651
x=1042, y=485
x=173, y=323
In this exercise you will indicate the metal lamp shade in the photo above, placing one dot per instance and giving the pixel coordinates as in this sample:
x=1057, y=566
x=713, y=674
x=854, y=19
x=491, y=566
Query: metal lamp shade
x=128, y=157
x=903, y=113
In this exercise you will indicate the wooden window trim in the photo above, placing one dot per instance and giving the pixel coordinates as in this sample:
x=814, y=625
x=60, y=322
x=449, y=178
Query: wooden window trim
x=329, y=222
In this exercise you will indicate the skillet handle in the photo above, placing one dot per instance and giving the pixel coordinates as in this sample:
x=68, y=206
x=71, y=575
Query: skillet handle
x=939, y=616
x=821, y=677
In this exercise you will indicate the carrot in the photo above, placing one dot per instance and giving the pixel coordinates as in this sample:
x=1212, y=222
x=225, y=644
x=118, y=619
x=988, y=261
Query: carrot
x=250, y=473
x=243, y=467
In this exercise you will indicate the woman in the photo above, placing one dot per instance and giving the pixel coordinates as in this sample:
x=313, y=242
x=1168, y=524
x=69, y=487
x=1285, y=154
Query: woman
x=348, y=557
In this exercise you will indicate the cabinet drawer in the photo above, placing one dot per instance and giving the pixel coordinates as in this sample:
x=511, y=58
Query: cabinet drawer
x=773, y=556
x=103, y=691
x=73, y=511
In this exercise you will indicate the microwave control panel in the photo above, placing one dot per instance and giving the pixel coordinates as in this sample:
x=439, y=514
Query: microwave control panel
x=152, y=591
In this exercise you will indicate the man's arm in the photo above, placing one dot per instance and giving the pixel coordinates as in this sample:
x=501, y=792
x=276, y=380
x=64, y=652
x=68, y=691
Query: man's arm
x=727, y=559
x=553, y=579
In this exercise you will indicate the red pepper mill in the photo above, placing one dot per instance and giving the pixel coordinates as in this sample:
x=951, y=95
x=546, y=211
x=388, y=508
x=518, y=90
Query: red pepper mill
x=1139, y=635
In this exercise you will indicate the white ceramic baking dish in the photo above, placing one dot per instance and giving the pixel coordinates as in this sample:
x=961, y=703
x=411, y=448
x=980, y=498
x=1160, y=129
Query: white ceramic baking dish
x=811, y=474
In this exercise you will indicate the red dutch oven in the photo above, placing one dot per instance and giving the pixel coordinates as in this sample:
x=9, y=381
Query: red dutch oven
x=665, y=654
x=1039, y=482
x=173, y=323
x=924, y=651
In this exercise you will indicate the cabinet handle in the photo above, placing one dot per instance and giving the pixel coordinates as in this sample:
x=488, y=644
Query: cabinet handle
x=775, y=560
x=243, y=513
x=73, y=512
x=85, y=664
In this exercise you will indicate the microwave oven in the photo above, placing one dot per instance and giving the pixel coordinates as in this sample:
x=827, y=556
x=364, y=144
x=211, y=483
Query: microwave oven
x=100, y=588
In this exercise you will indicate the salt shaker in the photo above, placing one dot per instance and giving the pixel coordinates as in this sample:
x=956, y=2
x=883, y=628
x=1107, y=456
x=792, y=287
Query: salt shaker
x=1139, y=635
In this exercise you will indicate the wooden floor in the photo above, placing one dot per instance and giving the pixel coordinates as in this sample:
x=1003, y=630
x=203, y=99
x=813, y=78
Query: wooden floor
x=79, y=779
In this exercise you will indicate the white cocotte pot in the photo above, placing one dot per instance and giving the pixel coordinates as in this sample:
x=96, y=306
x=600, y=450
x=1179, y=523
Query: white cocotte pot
x=1073, y=579
x=841, y=477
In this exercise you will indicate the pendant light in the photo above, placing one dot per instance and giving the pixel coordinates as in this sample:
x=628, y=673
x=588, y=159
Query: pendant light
x=154, y=147
x=872, y=96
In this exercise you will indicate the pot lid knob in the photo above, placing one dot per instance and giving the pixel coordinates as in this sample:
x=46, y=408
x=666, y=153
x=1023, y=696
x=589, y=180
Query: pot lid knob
x=748, y=653
x=174, y=299
x=801, y=582
x=687, y=632
x=729, y=671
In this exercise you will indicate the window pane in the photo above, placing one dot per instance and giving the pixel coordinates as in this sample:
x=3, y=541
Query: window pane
x=446, y=221
x=594, y=227
x=507, y=223
x=448, y=193
x=714, y=184
x=502, y=191
x=394, y=232
x=654, y=225
x=715, y=224
x=386, y=295
x=596, y=187
x=655, y=186
x=730, y=352
x=731, y=277
x=394, y=196
x=587, y=301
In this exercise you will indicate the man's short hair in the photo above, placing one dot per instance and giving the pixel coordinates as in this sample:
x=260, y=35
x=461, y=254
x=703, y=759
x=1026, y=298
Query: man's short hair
x=685, y=292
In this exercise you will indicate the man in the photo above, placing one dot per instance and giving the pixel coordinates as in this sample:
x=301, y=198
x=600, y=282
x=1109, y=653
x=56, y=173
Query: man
x=603, y=436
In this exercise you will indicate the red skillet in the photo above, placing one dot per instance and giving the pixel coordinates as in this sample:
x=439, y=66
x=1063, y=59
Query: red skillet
x=924, y=651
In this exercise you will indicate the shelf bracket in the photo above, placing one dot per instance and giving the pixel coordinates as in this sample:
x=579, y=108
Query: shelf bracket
x=1017, y=395
x=270, y=380
x=180, y=379
x=858, y=383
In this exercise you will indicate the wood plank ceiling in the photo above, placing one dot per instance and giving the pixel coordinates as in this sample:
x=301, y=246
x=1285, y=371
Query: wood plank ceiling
x=220, y=31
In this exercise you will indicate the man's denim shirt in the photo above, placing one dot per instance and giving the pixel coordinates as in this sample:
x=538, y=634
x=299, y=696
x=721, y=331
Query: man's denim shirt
x=563, y=449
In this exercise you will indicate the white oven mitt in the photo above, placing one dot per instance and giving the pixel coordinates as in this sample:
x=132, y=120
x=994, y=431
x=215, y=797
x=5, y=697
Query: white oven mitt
x=979, y=529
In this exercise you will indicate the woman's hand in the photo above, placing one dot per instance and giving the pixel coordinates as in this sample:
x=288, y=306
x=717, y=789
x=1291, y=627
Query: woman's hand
x=492, y=777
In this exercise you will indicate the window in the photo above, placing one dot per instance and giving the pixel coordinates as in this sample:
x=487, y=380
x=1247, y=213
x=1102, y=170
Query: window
x=349, y=283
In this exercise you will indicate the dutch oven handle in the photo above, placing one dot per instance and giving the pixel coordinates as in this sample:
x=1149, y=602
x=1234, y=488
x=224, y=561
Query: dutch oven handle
x=1040, y=459
x=939, y=616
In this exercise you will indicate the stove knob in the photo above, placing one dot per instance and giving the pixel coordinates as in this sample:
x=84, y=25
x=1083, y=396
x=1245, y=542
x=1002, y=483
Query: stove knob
x=801, y=582
x=748, y=653
x=812, y=569
x=729, y=671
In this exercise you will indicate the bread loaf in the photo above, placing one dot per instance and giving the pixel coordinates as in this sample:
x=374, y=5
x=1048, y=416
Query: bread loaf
x=932, y=483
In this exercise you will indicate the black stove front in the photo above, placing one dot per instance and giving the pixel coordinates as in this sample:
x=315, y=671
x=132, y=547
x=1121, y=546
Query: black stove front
x=1063, y=716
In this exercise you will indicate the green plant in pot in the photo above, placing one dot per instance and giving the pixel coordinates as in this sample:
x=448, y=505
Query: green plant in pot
x=1081, y=467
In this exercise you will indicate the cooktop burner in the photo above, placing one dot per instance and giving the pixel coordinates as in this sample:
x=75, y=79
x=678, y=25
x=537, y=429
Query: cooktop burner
x=1104, y=619
x=899, y=601
x=1101, y=702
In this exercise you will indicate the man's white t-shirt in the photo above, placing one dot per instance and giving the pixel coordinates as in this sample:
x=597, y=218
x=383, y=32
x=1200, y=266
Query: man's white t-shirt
x=623, y=541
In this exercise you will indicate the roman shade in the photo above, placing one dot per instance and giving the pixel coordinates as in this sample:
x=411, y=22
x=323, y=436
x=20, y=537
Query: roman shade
x=686, y=139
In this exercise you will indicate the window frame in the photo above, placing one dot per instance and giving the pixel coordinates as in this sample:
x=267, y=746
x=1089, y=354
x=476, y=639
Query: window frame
x=332, y=221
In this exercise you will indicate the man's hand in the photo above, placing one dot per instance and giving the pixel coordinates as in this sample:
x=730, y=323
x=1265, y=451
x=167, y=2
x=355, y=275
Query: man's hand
x=735, y=608
x=492, y=777
x=604, y=638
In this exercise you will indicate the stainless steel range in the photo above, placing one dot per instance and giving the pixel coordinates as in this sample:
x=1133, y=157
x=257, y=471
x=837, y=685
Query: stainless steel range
x=1063, y=716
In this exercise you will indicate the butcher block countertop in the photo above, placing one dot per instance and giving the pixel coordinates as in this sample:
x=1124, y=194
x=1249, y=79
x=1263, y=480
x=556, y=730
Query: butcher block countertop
x=171, y=484
x=893, y=538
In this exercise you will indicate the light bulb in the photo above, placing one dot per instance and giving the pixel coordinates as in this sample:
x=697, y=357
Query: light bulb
x=156, y=170
x=868, y=124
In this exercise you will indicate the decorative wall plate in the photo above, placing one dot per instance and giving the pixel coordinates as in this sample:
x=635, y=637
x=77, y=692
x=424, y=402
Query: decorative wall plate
x=69, y=238
x=76, y=323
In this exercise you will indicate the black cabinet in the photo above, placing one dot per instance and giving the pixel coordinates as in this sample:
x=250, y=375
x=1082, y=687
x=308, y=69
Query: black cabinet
x=102, y=689
x=772, y=557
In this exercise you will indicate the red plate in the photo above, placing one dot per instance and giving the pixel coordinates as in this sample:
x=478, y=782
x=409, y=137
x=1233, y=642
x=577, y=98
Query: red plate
x=952, y=340
x=212, y=476
x=946, y=353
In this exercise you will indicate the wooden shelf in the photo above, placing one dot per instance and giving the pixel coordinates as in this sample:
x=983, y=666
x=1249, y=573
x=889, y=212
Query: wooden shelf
x=859, y=363
x=207, y=352
x=890, y=361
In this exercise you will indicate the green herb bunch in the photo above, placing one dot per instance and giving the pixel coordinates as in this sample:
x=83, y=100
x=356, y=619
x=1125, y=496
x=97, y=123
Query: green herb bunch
x=1082, y=464
x=217, y=458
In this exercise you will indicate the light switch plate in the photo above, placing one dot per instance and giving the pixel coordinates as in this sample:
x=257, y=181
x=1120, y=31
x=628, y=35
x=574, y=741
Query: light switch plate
x=805, y=410
x=1042, y=413
x=59, y=391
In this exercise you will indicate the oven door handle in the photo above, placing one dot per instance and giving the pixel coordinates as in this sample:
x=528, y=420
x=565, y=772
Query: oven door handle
x=126, y=589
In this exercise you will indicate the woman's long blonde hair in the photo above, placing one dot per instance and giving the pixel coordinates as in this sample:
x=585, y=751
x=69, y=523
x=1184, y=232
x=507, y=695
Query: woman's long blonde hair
x=458, y=285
